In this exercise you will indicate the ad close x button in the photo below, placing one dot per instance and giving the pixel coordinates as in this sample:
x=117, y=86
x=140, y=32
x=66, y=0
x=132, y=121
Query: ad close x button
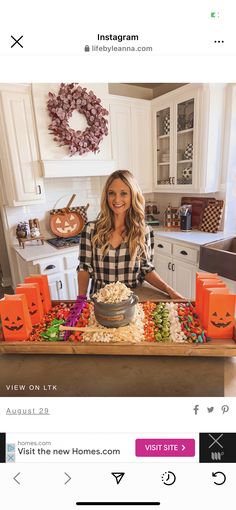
x=217, y=447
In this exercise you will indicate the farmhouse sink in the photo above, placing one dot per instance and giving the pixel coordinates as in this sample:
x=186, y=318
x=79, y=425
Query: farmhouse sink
x=219, y=257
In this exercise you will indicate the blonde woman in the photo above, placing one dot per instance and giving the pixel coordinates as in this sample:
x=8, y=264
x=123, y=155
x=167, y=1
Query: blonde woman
x=118, y=246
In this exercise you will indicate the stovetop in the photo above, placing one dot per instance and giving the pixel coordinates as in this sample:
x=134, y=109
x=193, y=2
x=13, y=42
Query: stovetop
x=64, y=242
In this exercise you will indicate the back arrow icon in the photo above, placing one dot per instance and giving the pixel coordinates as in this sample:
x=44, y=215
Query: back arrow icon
x=223, y=480
x=69, y=478
x=15, y=478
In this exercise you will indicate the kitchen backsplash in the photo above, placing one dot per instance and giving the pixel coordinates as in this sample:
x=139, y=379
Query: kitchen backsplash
x=163, y=199
x=88, y=190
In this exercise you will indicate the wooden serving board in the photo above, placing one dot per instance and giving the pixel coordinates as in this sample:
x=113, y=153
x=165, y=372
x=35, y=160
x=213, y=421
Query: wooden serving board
x=214, y=348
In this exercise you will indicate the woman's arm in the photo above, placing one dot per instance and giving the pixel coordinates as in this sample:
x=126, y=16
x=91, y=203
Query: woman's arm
x=85, y=268
x=83, y=280
x=154, y=279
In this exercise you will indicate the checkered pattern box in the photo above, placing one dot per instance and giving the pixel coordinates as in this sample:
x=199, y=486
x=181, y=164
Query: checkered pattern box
x=212, y=216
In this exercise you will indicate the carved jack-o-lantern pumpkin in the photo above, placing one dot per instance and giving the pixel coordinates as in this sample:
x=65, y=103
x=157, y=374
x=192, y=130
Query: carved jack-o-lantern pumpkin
x=35, y=306
x=221, y=308
x=66, y=224
x=16, y=323
x=42, y=280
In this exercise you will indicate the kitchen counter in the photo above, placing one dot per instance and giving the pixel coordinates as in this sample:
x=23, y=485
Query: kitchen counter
x=196, y=237
x=37, y=251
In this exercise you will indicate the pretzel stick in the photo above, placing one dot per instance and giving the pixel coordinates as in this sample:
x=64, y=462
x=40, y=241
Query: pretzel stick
x=82, y=330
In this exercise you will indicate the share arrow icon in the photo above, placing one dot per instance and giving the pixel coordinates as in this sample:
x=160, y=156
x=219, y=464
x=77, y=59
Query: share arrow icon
x=118, y=477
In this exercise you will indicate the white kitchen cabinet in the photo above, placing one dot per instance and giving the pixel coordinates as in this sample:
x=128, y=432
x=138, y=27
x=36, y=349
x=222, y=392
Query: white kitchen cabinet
x=57, y=286
x=177, y=264
x=72, y=284
x=163, y=266
x=184, y=278
x=61, y=272
x=19, y=154
x=187, y=138
x=131, y=138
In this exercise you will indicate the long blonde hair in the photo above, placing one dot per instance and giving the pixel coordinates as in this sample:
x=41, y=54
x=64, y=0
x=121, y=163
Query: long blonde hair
x=135, y=228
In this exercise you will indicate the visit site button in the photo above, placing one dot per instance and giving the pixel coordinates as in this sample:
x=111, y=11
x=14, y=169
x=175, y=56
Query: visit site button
x=165, y=447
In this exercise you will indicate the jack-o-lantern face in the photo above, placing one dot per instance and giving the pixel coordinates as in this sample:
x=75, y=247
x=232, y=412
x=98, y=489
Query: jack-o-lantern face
x=33, y=309
x=220, y=321
x=42, y=281
x=221, y=308
x=16, y=323
x=13, y=324
x=67, y=224
x=34, y=302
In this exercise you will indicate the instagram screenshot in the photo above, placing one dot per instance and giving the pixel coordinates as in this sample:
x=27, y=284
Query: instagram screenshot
x=117, y=255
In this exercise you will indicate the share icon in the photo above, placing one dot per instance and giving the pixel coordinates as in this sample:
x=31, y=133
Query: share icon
x=118, y=477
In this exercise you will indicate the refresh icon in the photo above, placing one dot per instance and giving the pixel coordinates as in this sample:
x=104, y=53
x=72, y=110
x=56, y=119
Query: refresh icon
x=220, y=478
x=168, y=478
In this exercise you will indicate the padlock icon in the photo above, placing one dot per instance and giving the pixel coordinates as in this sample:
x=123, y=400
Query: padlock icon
x=86, y=48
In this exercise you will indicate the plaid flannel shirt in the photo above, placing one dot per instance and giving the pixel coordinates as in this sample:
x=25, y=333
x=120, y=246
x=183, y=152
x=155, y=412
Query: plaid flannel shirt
x=116, y=265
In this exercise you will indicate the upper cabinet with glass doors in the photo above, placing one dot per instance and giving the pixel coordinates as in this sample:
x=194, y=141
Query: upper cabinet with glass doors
x=187, y=127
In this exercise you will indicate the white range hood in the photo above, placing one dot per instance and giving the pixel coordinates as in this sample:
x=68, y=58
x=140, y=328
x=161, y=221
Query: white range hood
x=77, y=168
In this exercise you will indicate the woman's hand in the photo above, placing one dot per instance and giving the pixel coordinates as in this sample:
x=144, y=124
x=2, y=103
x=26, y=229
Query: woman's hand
x=175, y=295
x=154, y=279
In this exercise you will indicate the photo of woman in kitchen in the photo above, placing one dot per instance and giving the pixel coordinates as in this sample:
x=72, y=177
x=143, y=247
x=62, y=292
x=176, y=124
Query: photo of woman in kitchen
x=119, y=246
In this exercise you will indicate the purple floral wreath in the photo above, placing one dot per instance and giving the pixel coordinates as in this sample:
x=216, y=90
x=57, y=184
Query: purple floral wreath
x=60, y=108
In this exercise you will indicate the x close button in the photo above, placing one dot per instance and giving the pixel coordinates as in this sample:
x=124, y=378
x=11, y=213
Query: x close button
x=17, y=41
x=217, y=447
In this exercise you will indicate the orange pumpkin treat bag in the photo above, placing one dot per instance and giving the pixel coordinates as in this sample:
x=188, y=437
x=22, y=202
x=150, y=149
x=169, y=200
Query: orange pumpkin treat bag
x=42, y=280
x=206, y=283
x=220, y=323
x=35, y=306
x=16, y=323
x=199, y=277
x=206, y=293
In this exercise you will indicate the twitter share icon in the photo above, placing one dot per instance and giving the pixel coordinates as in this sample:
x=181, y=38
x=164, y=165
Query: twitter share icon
x=210, y=409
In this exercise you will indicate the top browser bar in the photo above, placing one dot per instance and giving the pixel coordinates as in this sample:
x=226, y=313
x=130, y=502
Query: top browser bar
x=152, y=28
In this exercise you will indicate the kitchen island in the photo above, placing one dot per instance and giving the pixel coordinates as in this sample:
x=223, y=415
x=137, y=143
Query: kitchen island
x=145, y=369
x=121, y=370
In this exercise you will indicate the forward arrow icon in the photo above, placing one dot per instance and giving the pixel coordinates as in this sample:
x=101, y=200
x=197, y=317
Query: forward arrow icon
x=68, y=478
